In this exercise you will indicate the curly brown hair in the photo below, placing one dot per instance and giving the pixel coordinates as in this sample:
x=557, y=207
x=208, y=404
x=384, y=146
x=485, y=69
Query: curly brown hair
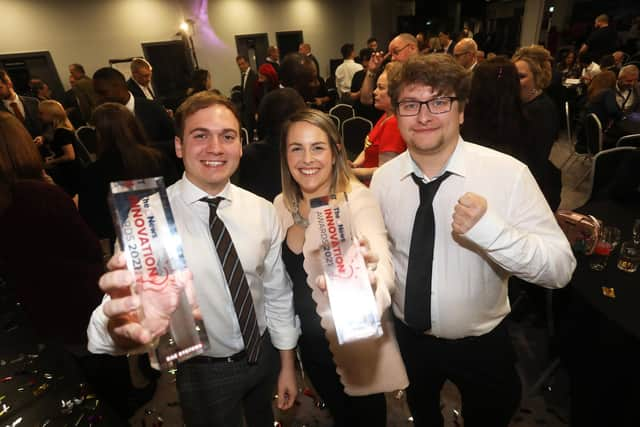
x=440, y=71
x=539, y=60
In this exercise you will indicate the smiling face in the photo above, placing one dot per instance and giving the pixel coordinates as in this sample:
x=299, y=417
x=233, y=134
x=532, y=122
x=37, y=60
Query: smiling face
x=310, y=159
x=210, y=148
x=381, y=97
x=428, y=134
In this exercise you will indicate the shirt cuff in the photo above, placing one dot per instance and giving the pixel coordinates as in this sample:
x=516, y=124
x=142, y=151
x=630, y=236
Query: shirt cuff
x=487, y=230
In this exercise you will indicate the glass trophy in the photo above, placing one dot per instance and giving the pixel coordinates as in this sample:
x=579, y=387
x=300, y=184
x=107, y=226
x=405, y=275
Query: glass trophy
x=148, y=237
x=353, y=305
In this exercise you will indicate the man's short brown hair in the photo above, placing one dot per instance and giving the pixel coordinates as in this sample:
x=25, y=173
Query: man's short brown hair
x=440, y=71
x=197, y=102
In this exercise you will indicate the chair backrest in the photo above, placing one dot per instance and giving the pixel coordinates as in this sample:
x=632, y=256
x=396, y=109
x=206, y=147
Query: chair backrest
x=336, y=121
x=604, y=167
x=354, y=131
x=567, y=118
x=629, y=141
x=593, y=134
x=245, y=136
x=88, y=137
x=342, y=111
x=84, y=157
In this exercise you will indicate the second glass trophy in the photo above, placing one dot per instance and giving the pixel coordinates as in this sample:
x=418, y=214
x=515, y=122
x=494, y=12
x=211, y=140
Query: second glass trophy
x=148, y=237
x=353, y=305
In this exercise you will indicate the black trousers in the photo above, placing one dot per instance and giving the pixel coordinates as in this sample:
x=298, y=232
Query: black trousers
x=346, y=411
x=220, y=394
x=481, y=367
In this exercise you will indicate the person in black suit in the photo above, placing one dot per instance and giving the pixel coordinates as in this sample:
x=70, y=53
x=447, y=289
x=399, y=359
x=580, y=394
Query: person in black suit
x=248, y=80
x=305, y=49
x=111, y=86
x=446, y=42
x=259, y=170
x=25, y=108
x=140, y=82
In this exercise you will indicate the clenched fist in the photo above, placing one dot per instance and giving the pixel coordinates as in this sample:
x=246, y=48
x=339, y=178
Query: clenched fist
x=470, y=208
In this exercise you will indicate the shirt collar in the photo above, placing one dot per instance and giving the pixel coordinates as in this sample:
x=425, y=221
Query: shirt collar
x=191, y=194
x=131, y=103
x=15, y=99
x=456, y=163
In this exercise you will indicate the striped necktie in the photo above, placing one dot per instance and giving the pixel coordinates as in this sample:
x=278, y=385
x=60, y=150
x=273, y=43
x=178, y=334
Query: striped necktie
x=236, y=279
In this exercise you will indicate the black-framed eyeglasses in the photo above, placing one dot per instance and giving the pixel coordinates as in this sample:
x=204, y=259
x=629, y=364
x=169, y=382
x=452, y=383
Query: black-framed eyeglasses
x=458, y=55
x=397, y=51
x=439, y=105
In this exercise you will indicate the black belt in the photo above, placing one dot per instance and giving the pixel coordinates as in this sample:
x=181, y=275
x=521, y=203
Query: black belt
x=201, y=360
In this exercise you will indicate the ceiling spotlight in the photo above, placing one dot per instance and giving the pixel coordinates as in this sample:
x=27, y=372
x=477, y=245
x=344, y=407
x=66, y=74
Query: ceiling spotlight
x=551, y=9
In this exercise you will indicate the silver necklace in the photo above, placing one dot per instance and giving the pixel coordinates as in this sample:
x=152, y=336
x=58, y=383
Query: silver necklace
x=297, y=218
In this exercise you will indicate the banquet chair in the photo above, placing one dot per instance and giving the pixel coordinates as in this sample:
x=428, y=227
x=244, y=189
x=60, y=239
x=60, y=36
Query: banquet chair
x=570, y=137
x=629, y=141
x=245, y=136
x=88, y=137
x=604, y=167
x=354, y=131
x=593, y=137
x=336, y=121
x=343, y=112
x=84, y=157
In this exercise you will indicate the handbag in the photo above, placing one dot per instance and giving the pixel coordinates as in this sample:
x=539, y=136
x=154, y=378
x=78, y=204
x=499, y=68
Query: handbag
x=582, y=231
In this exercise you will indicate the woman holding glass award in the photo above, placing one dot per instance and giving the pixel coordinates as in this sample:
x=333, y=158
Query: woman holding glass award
x=351, y=377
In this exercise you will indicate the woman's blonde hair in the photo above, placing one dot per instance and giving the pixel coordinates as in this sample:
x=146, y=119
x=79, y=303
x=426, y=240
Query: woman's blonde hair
x=539, y=60
x=341, y=174
x=56, y=111
x=601, y=82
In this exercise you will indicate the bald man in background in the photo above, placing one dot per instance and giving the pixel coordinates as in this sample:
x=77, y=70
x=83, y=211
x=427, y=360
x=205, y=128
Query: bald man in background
x=401, y=48
x=465, y=52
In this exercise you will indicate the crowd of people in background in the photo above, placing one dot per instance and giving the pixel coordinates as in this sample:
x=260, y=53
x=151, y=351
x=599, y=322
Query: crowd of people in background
x=435, y=100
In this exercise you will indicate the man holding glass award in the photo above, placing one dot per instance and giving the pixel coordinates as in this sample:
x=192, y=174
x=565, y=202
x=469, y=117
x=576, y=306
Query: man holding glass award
x=232, y=247
x=452, y=275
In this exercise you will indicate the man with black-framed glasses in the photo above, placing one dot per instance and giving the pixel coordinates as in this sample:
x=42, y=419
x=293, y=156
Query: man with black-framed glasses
x=462, y=218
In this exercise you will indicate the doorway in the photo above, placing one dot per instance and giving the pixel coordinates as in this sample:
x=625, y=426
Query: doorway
x=23, y=67
x=254, y=47
x=172, y=63
x=288, y=41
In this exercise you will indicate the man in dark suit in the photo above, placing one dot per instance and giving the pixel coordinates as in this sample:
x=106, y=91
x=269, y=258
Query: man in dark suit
x=305, y=49
x=446, y=42
x=140, y=82
x=111, y=86
x=25, y=108
x=248, y=79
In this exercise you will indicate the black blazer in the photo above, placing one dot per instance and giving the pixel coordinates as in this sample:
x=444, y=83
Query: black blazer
x=136, y=91
x=31, y=115
x=249, y=100
x=158, y=126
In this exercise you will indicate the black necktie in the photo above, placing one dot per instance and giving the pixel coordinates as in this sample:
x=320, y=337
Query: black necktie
x=237, y=281
x=244, y=76
x=417, y=303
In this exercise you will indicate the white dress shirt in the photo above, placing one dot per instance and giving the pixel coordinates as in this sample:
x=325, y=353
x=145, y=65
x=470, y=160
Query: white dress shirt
x=255, y=231
x=518, y=235
x=131, y=104
x=625, y=98
x=146, y=90
x=7, y=103
x=344, y=75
